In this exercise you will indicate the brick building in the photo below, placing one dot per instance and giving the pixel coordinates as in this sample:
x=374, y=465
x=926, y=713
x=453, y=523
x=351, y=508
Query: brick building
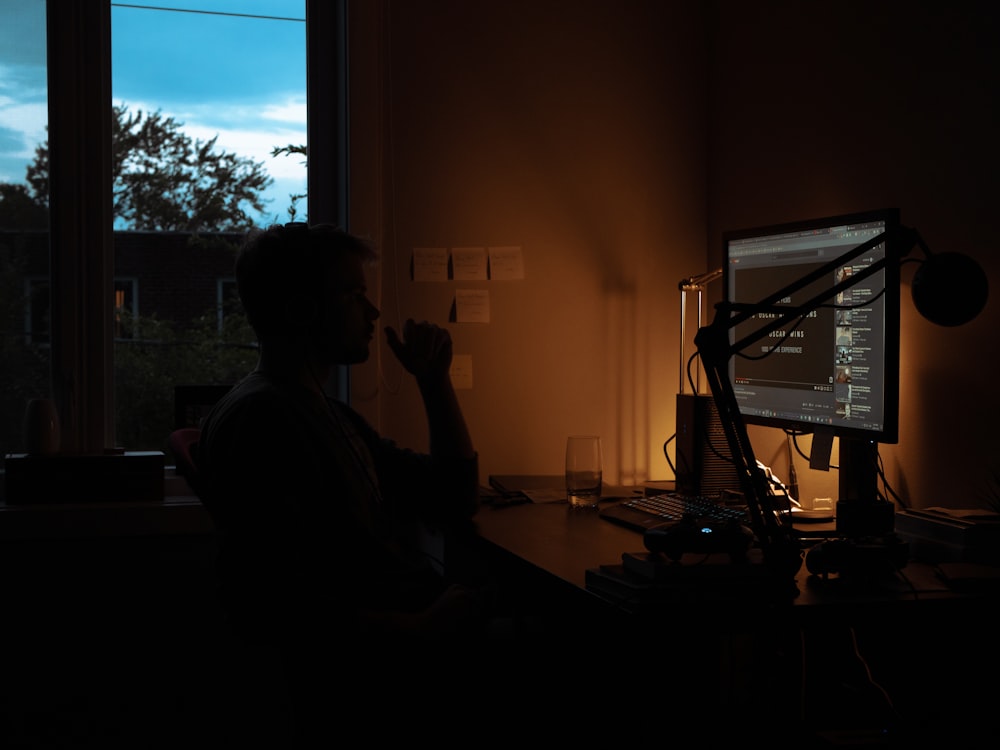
x=173, y=276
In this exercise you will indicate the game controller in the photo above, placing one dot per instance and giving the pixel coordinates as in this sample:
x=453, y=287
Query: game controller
x=700, y=536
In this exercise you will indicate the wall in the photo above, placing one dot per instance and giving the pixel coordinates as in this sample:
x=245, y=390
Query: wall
x=614, y=144
x=575, y=131
x=822, y=108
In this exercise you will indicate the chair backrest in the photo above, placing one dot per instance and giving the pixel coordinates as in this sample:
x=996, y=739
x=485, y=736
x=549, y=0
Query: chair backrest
x=182, y=444
x=193, y=402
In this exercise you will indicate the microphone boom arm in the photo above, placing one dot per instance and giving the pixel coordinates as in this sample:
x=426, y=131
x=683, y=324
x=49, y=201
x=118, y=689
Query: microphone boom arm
x=776, y=540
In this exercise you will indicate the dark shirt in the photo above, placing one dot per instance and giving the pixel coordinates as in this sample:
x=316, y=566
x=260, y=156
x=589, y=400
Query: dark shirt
x=318, y=515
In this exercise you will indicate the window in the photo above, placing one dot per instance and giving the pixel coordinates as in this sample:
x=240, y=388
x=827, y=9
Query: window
x=126, y=305
x=25, y=294
x=88, y=305
x=219, y=97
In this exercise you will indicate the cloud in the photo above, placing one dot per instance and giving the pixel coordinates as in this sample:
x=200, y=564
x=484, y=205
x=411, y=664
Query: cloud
x=24, y=125
x=292, y=111
x=250, y=132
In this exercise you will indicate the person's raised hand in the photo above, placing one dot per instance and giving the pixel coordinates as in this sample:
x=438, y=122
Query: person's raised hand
x=424, y=349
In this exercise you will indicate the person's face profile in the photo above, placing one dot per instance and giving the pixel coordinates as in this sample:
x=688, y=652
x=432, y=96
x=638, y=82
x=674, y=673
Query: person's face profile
x=346, y=317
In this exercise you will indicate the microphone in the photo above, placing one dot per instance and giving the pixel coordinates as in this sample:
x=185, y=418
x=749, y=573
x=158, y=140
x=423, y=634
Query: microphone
x=949, y=289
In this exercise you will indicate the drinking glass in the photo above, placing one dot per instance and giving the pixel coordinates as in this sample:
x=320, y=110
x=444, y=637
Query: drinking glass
x=584, y=470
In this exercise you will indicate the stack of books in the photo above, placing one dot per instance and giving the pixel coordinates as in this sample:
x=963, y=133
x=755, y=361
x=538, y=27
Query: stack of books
x=646, y=582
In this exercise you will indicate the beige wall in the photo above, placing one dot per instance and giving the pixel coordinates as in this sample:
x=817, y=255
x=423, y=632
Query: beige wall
x=613, y=143
x=826, y=108
x=575, y=131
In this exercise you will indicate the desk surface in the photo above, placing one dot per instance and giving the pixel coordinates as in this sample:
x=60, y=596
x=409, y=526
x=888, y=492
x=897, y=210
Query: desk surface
x=950, y=633
x=556, y=537
x=563, y=542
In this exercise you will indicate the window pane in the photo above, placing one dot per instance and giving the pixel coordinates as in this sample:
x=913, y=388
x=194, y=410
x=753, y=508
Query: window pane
x=223, y=83
x=24, y=243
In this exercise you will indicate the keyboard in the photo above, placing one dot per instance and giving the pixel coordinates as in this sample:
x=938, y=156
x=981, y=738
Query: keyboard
x=640, y=513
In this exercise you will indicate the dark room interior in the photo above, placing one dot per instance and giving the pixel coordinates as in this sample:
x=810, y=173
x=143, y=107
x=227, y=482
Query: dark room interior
x=611, y=146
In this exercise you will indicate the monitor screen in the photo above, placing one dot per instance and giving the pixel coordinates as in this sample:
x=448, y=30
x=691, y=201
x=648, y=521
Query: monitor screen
x=835, y=367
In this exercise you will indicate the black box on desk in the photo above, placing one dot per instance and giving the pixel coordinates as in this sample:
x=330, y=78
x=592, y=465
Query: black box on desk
x=950, y=535
x=105, y=477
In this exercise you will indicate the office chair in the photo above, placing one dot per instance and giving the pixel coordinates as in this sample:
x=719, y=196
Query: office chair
x=256, y=688
x=183, y=443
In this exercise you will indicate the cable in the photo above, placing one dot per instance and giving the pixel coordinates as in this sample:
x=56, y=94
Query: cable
x=135, y=6
x=888, y=487
x=690, y=377
x=705, y=435
x=795, y=435
x=868, y=671
x=391, y=388
x=667, y=455
x=802, y=675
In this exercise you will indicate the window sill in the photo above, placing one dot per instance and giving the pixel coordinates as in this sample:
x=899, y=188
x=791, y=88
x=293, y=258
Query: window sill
x=179, y=512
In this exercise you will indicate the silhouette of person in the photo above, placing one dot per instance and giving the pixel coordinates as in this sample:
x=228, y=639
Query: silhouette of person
x=319, y=517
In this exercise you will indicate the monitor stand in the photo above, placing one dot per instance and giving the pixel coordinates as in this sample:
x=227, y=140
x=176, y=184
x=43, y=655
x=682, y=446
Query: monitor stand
x=860, y=510
x=867, y=545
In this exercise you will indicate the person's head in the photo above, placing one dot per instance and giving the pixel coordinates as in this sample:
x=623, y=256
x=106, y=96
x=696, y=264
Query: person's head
x=303, y=290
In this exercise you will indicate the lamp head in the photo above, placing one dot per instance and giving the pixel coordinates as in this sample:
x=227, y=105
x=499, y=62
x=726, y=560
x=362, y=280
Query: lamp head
x=949, y=289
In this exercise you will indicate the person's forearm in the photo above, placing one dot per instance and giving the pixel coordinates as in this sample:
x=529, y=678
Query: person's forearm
x=449, y=433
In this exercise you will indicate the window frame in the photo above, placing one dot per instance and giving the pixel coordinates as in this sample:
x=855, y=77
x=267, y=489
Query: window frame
x=78, y=35
x=34, y=285
x=224, y=287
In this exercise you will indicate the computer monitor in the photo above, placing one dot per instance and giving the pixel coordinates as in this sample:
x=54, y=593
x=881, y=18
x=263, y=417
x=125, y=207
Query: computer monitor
x=836, y=369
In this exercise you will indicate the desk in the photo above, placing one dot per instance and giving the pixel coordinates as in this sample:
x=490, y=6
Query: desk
x=560, y=543
x=928, y=650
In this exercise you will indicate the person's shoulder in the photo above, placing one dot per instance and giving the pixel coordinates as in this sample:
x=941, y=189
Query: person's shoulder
x=253, y=399
x=353, y=417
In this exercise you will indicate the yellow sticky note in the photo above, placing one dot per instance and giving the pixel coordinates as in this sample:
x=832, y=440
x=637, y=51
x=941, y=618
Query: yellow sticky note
x=461, y=371
x=472, y=306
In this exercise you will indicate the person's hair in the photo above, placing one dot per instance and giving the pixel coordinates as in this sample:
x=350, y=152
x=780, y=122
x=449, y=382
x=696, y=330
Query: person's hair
x=285, y=263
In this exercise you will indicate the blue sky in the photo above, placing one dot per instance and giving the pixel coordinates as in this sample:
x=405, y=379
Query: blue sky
x=228, y=68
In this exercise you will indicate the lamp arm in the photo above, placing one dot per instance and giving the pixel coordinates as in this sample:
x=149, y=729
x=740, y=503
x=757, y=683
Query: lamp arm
x=693, y=283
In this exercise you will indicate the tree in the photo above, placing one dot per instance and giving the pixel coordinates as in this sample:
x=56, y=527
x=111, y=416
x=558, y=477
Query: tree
x=163, y=181
x=166, y=181
x=293, y=200
x=153, y=357
x=19, y=209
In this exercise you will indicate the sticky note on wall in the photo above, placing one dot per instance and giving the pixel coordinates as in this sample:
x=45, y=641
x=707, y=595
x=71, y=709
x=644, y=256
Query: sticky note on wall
x=461, y=371
x=468, y=263
x=506, y=263
x=472, y=306
x=430, y=264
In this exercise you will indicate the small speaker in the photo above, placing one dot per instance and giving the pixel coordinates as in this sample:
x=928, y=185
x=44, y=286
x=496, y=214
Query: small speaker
x=702, y=459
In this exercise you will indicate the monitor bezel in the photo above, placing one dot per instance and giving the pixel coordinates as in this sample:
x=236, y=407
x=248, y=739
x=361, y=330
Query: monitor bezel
x=889, y=433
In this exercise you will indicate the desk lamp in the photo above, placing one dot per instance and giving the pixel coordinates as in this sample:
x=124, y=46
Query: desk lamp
x=948, y=289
